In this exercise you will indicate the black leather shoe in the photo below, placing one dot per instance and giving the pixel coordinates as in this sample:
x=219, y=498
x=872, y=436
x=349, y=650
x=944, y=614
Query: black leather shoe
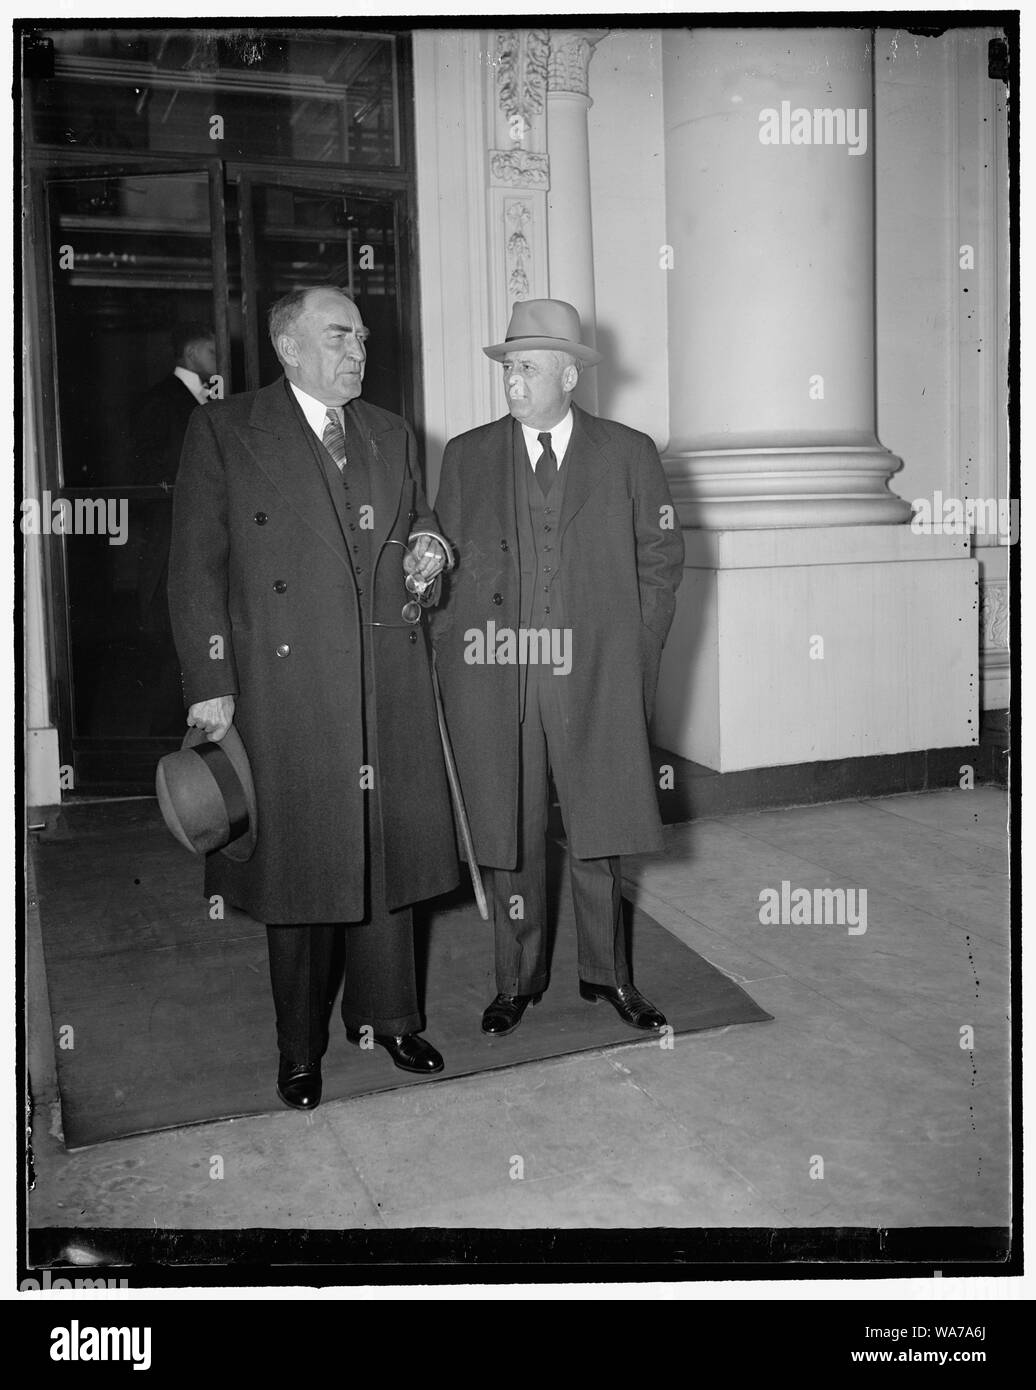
x=505, y=1012
x=628, y=1003
x=299, y=1084
x=408, y=1053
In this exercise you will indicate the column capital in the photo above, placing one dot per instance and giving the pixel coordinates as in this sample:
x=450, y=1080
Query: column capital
x=569, y=60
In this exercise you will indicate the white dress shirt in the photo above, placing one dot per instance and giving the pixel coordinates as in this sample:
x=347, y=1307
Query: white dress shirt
x=315, y=411
x=559, y=437
x=193, y=383
x=316, y=417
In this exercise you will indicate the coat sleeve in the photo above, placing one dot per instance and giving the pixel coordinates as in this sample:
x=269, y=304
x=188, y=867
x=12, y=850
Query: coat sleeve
x=199, y=567
x=660, y=550
x=425, y=522
x=448, y=508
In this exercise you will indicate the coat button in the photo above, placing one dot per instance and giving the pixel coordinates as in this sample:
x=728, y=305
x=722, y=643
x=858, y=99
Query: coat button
x=413, y=636
x=261, y=518
x=279, y=586
x=498, y=598
x=283, y=649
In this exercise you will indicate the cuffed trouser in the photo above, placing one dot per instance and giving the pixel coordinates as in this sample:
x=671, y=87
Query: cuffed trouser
x=519, y=895
x=380, y=986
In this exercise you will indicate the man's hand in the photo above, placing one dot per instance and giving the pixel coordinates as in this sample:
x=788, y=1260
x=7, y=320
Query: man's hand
x=213, y=716
x=425, y=559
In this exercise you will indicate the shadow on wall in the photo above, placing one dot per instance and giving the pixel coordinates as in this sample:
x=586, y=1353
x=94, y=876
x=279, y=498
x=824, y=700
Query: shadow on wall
x=612, y=375
x=680, y=655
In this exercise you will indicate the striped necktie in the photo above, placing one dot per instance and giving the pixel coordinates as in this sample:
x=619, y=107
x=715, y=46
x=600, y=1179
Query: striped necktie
x=334, y=436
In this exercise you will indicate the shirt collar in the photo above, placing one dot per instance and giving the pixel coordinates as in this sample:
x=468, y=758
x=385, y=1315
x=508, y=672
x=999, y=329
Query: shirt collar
x=193, y=383
x=559, y=437
x=315, y=411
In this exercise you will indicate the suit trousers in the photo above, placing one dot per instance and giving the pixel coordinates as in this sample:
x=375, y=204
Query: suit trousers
x=520, y=895
x=380, y=988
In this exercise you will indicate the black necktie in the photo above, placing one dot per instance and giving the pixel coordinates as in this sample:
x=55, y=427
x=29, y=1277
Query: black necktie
x=334, y=437
x=546, y=465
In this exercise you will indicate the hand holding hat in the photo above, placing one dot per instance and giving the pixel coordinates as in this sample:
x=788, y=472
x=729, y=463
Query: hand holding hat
x=207, y=796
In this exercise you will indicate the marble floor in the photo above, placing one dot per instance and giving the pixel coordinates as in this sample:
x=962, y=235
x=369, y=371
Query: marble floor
x=860, y=1105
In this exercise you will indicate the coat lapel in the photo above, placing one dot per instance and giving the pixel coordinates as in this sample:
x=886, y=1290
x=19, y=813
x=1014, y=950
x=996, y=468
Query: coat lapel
x=498, y=495
x=387, y=446
x=584, y=464
x=275, y=437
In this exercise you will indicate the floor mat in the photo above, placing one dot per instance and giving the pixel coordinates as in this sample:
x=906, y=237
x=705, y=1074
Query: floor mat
x=163, y=1017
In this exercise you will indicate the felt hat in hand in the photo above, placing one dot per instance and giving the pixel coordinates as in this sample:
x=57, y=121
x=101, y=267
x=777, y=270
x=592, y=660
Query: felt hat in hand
x=544, y=324
x=207, y=797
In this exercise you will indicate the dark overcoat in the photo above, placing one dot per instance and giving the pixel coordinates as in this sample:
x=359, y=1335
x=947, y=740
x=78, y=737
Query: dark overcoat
x=259, y=560
x=158, y=429
x=620, y=560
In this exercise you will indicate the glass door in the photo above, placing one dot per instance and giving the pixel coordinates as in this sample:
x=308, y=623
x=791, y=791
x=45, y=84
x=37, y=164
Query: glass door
x=294, y=234
x=187, y=173
x=133, y=256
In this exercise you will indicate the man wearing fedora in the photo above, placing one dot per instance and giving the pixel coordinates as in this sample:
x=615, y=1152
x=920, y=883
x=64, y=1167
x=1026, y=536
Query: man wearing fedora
x=566, y=537
x=298, y=518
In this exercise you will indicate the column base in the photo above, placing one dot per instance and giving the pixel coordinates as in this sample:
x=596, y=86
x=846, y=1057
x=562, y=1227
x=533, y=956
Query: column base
x=808, y=644
x=786, y=487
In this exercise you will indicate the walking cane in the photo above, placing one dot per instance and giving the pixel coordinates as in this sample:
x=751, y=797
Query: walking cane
x=458, y=801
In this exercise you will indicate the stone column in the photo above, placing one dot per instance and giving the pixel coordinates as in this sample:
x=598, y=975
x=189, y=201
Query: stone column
x=570, y=231
x=812, y=624
x=770, y=191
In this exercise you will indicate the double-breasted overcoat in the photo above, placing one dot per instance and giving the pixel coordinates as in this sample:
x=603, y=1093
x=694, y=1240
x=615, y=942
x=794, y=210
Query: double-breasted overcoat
x=266, y=607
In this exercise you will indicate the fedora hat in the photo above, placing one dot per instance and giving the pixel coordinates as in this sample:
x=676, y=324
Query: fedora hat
x=207, y=797
x=544, y=324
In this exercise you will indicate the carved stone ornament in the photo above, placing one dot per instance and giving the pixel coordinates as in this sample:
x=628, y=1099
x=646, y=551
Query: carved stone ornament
x=517, y=218
x=519, y=168
x=521, y=72
x=994, y=614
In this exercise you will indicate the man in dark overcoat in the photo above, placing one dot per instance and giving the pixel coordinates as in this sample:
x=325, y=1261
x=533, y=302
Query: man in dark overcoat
x=162, y=413
x=569, y=555
x=298, y=515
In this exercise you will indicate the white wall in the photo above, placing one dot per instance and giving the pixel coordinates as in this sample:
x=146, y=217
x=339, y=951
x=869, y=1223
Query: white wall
x=940, y=159
x=917, y=273
x=627, y=187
